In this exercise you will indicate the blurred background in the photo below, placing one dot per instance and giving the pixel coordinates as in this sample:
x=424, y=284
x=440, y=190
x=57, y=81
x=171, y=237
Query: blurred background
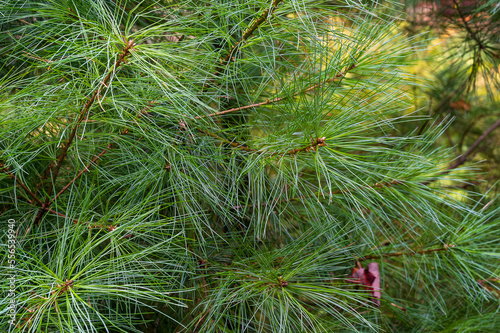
x=461, y=68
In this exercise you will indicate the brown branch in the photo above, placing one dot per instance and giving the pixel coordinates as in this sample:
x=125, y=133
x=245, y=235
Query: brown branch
x=37, y=200
x=104, y=151
x=25, y=22
x=462, y=159
x=399, y=307
x=400, y=254
x=471, y=125
x=63, y=215
x=55, y=167
x=255, y=25
x=269, y=101
x=379, y=185
x=21, y=184
x=86, y=169
x=341, y=74
x=319, y=142
x=277, y=99
x=232, y=143
x=50, y=210
x=32, y=56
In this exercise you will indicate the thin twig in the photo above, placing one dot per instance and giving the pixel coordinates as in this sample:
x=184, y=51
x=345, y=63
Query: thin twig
x=471, y=125
x=462, y=159
x=277, y=99
x=319, y=142
x=49, y=210
x=86, y=169
x=232, y=143
x=255, y=105
x=379, y=185
x=404, y=253
x=255, y=25
x=21, y=184
x=63, y=215
x=399, y=307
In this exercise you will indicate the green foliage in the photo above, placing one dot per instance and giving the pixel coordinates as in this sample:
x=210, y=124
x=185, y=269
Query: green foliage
x=222, y=166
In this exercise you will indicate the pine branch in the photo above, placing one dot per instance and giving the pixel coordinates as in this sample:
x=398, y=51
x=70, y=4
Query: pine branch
x=405, y=253
x=54, y=167
x=270, y=101
x=232, y=143
x=35, y=199
x=254, y=26
x=467, y=27
x=248, y=33
x=469, y=153
x=277, y=99
x=471, y=149
x=248, y=265
x=318, y=142
x=379, y=185
x=95, y=160
x=21, y=184
x=473, y=35
x=471, y=126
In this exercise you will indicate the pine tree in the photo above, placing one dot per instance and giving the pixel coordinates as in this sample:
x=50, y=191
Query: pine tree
x=465, y=79
x=229, y=166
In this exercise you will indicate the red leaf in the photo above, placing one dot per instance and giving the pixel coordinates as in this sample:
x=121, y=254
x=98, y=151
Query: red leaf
x=369, y=277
